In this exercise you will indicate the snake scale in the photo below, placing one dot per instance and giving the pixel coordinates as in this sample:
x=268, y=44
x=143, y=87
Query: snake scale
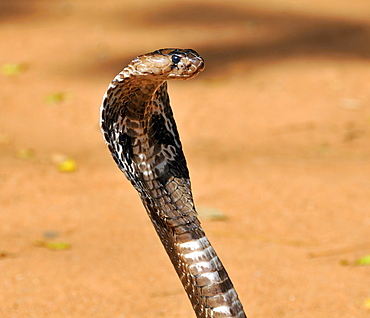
x=138, y=126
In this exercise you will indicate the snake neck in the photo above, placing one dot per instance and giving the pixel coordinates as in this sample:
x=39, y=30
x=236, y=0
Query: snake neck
x=138, y=126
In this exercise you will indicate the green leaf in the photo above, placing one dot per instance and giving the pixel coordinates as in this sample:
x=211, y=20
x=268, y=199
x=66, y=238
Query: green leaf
x=25, y=154
x=67, y=165
x=365, y=260
x=209, y=213
x=64, y=163
x=54, y=246
x=56, y=98
x=12, y=69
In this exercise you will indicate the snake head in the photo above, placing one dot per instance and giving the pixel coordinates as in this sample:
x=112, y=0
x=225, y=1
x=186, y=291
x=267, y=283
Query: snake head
x=169, y=64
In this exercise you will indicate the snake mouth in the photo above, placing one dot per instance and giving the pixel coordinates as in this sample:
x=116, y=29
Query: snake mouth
x=187, y=73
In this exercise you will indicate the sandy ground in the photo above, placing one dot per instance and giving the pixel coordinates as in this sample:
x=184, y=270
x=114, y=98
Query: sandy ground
x=276, y=134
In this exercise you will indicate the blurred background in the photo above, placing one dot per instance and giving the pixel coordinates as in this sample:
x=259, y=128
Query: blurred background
x=276, y=135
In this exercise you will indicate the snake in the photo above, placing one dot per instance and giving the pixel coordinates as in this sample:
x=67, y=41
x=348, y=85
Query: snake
x=139, y=129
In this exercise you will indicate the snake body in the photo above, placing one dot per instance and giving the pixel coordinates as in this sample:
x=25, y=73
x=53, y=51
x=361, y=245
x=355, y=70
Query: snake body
x=141, y=134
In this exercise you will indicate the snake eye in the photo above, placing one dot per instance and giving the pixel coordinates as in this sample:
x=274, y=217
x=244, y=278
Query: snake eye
x=175, y=59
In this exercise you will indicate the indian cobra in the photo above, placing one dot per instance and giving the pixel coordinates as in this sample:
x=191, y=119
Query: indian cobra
x=141, y=134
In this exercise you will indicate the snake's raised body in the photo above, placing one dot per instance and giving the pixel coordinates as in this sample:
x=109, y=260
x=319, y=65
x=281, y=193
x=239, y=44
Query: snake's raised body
x=139, y=129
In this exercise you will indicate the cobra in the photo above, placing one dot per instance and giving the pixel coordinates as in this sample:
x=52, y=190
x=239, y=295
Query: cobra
x=138, y=126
